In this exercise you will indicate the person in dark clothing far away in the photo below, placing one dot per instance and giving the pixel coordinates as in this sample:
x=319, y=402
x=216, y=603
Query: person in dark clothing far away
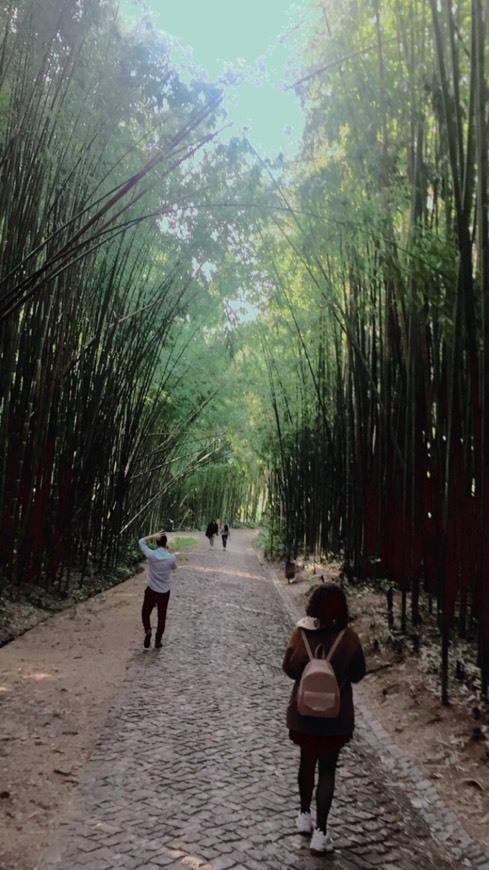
x=211, y=531
x=225, y=535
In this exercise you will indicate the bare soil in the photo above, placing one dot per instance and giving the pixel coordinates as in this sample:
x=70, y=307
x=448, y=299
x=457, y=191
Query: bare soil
x=59, y=678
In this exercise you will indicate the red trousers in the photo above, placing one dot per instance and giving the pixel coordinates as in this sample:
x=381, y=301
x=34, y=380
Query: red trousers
x=160, y=601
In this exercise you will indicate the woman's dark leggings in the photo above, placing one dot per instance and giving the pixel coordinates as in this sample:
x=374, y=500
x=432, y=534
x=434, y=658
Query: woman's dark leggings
x=160, y=601
x=325, y=787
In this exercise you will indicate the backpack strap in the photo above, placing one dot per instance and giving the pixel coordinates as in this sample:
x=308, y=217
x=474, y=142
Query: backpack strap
x=306, y=644
x=330, y=654
x=328, y=657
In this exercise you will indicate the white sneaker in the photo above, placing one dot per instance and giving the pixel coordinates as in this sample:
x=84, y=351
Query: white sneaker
x=320, y=843
x=304, y=823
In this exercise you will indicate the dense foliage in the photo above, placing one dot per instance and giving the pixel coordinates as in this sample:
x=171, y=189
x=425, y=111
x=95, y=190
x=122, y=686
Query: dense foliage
x=383, y=419
x=102, y=378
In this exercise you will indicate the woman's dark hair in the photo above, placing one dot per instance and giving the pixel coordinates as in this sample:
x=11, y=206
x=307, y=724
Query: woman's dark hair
x=161, y=541
x=328, y=604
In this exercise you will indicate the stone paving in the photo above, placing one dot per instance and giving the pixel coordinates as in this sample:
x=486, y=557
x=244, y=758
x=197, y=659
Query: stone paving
x=194, y=768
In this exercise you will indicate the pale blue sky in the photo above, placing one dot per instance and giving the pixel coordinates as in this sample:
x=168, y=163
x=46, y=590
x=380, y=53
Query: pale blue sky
x=243, y=34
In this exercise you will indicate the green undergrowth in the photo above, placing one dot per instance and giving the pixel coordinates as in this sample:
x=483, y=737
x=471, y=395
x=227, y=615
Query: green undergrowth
x=178, y=543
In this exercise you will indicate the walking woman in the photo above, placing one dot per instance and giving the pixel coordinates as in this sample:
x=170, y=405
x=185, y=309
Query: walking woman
x=321, y=739
x=211, y=531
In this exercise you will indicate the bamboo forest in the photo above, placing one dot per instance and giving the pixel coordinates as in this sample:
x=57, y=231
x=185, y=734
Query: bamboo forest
x=191, y=329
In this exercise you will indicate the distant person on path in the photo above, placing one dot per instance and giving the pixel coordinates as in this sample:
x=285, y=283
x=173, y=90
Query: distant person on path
x=225, y=535
x=321, y=739
x=211, y=531
x=157, y=592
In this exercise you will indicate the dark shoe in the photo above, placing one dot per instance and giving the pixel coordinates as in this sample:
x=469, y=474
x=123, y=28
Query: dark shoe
x=147, y=640
x=158, y=644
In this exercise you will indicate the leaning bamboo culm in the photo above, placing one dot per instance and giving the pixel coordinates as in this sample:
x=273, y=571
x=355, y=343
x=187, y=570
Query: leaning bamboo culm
x=78, y=359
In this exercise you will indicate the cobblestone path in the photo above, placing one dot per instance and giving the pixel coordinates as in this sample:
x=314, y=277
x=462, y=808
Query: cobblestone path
x=194, y=768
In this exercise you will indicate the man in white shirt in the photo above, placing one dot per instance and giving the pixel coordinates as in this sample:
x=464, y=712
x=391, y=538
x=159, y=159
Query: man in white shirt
x=157, y=593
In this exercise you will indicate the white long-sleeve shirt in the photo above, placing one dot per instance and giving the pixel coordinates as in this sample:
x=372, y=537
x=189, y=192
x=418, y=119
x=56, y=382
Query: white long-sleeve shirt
x=161, y=564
